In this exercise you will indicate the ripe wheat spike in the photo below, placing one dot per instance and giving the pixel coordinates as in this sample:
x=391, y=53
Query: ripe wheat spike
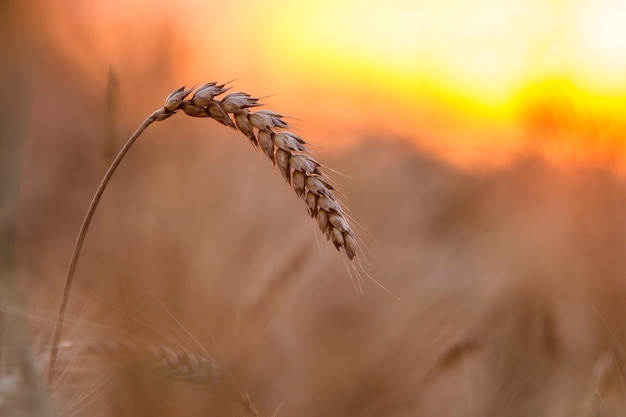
x=266, y=130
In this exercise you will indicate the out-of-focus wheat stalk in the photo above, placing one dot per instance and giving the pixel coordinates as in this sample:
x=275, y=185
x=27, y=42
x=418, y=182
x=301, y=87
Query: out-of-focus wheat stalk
x=266, y=130
x=162, y=361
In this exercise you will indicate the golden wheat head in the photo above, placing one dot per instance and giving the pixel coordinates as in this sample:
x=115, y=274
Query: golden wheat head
x=266, y=130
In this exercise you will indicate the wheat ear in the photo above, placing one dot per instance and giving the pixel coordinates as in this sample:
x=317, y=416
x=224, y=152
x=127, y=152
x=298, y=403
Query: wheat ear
x=161, y=360
x=266, y=130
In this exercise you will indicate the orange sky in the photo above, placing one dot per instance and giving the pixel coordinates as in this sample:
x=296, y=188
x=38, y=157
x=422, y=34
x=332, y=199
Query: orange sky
x=470, y=79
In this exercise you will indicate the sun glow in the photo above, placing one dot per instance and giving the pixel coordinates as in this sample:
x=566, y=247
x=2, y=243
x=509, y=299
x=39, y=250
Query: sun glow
x=601, y=36
x=487, y=50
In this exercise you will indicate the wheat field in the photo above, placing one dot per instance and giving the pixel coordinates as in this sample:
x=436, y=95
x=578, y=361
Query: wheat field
x=205, y=288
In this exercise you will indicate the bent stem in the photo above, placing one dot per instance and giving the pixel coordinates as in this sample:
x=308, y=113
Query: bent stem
x=159, y=114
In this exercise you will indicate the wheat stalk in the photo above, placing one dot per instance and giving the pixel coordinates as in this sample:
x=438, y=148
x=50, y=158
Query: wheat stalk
x=266, y=130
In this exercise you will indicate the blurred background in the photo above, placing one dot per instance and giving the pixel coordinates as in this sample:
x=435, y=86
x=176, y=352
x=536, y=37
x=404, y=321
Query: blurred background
x=478, y=144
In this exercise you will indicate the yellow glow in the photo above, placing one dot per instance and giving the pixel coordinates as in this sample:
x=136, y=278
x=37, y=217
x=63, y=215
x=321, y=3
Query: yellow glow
x=485, y=50
x=473, y=47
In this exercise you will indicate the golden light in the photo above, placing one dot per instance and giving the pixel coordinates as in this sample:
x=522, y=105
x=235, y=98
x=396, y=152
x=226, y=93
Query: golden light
x=483, y=48
x=489, y=49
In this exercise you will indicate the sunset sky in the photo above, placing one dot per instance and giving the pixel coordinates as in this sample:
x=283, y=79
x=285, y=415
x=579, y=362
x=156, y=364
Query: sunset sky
x=460, y=77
